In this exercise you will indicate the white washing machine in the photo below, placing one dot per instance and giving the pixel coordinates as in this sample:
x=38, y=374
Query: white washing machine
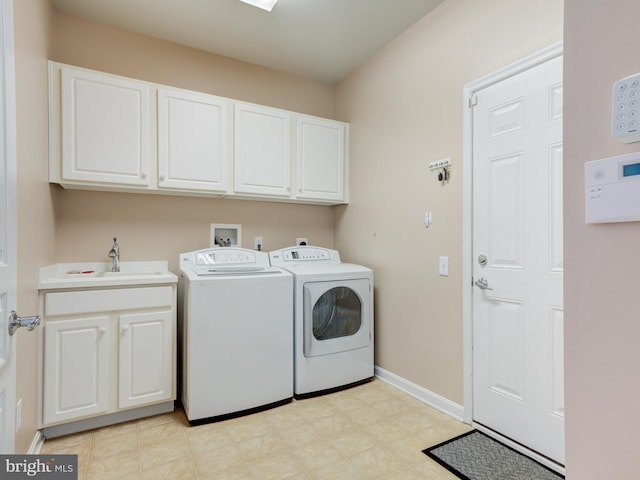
x=236, y=333
x=333, y=319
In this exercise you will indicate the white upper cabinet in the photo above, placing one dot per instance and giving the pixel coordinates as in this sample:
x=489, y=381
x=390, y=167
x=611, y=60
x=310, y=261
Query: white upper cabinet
x=262, y=163
x=118, y=134
x=320, y=159
x=105, y=128
x=192, y=141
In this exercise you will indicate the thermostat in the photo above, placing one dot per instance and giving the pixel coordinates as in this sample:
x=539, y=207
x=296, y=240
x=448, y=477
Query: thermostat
x=625, y=119
x=612, y=189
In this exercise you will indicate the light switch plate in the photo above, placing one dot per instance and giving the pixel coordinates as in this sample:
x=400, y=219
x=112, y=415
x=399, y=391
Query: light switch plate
x=443, y=266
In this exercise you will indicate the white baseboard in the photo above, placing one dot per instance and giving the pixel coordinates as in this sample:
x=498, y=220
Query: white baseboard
x=36, y=444
x=426, y=396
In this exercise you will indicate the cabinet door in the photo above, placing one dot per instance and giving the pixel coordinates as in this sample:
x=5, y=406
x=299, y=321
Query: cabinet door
x=320, y=158
x=75, y=368
x=105, y=128
x=146, y=358
x=192, y=141
x=262, y=151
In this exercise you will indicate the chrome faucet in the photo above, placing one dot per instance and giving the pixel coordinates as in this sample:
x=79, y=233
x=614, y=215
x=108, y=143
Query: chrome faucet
x=114, y=255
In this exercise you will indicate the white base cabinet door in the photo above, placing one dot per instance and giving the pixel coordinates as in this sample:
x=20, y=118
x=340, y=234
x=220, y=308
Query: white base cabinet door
x=146, y=358
x=76, y=369
x=192, y=141
x=105, y=128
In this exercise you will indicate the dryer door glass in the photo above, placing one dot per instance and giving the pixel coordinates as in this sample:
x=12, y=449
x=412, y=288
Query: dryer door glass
x=336, y=316
x=337, y=313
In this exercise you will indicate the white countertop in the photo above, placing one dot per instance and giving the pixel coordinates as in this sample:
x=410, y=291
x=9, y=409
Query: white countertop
x=95, y=275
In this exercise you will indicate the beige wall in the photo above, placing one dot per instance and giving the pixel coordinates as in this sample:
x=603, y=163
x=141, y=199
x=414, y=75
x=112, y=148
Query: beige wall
x=154, y=227
x=405, y=108
x=33, y=31
x=93, y=45
x=602, y=324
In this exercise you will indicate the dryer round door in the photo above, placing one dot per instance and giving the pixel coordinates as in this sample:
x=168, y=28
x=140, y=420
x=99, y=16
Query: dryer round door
x=337, y=316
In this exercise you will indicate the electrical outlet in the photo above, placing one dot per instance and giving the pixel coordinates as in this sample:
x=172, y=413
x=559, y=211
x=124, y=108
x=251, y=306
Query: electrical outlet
x=18, y=415
x=258, y=243
x=443, y=266
x=302, y=241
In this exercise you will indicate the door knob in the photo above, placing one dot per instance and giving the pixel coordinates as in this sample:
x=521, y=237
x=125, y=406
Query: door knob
x=15, y=322
x=483, y=284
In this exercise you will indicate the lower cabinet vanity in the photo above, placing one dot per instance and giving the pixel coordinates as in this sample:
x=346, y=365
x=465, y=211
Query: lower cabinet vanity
x=108, y=348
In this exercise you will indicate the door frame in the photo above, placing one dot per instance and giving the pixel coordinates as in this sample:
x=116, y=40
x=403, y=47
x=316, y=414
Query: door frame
x=469, y=92
x=8, y=87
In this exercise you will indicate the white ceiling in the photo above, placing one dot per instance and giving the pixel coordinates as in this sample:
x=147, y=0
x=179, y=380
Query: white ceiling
x=318, y=39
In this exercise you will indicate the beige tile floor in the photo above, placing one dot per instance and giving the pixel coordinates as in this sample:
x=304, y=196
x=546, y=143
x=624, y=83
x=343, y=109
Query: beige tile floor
x=373, y=431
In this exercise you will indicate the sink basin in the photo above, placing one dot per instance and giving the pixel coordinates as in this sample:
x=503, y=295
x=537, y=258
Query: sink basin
x=91, y=275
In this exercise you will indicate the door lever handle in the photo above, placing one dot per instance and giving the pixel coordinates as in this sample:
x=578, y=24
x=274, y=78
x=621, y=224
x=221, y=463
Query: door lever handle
x=482, y=283
x=15, y=322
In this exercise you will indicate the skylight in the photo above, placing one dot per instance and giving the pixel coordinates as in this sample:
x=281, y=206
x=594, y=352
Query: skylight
x=263, y=4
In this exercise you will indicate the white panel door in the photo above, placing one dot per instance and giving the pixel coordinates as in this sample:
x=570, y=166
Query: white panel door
x=105, y=128
x=8, y=245
x=76, y=369
x=262, y=157
x=320, y=158
x=517, y=259
x=146, y=358
x=192, y=141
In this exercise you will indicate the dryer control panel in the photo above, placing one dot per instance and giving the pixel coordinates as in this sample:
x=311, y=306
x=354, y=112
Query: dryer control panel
x=303, y=254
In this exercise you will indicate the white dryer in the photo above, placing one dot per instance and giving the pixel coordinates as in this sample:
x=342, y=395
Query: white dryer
x=333, y=319
x=236, y=333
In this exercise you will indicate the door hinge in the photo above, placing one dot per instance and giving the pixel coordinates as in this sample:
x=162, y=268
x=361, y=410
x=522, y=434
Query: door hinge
x=473, y=101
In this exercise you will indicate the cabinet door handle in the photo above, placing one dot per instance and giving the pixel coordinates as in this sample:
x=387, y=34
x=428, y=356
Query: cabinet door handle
x=102, y=330
x=143, y=175
x=124, y=328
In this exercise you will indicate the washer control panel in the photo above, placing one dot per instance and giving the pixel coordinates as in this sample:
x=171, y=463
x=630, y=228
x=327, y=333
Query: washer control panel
x=230, y=256
x=226, y=256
